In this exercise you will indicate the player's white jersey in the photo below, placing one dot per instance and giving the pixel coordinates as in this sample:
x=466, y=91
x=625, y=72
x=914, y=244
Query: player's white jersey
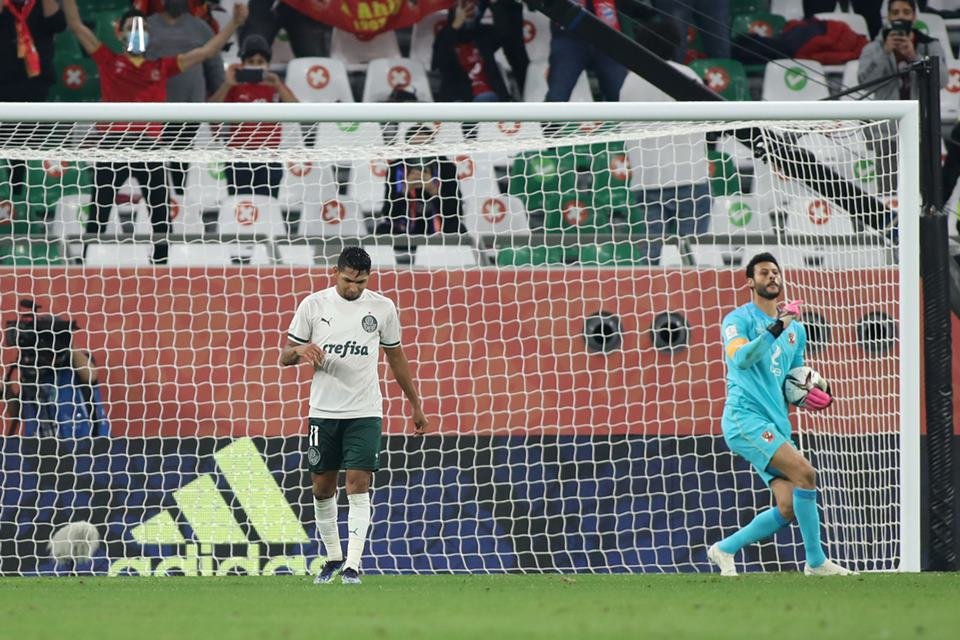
x=351, y=333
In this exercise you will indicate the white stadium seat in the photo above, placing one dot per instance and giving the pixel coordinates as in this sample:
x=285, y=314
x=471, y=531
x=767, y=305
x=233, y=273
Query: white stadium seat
x=935, y=27
x=536, y=35
x=353, y=51
x=381, y=255
x=206, y=186
x=732, y=215
x=306, y=184
x=423, y=35
x=118, y=253
x=217, y=254
x=332, y=217
x=637, y=89
x=319, y=80
x=297, y=254
x=789, y=9
x=503, y=134
x=535, y=87
x=494, y=214
x=435, y=255
x=386, y=74
x=817, y=216
x=789, y=79
x=249, y=214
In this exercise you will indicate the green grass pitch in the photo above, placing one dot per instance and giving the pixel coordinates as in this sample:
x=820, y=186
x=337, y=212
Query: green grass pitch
x=581, y=607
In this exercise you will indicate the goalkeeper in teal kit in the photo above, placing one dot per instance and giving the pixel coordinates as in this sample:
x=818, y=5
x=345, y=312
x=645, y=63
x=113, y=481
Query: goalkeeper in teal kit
x=762, y=342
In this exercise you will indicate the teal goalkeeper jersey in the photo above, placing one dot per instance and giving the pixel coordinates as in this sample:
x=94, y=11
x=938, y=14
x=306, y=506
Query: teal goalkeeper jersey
x=755, y=388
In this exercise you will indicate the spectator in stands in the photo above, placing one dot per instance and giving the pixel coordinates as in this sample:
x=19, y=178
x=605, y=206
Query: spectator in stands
x=569, y=56
x=27, y=28
x=422, y=195
x=711, y=19
x=257, y=84
x=172, y=32
x=130, y=77
x=463, y=54
x=890, y=53
x=308, y=37
x=870, y=10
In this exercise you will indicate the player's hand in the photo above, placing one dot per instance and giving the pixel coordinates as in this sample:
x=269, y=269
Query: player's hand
x=240, y=13
x=817, y=399
x=270, y=78
x=905, y=47
x=231, y=75
x=789, y=311
x=419, y=422
x=311, y=353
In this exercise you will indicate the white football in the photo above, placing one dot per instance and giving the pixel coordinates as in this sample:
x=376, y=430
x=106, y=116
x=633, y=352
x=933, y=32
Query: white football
x=799, y=382
x=76, y=541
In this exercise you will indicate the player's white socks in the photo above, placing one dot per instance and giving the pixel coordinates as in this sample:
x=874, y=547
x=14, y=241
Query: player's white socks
x=358, y=521
x=325, y=512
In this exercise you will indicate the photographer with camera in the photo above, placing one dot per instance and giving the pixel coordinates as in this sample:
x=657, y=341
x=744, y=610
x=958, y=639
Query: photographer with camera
x=55, y=393
x=252, y=81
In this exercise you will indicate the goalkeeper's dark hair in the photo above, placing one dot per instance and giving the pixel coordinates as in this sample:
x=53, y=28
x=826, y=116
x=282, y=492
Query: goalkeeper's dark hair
x=355, y=258
x=127, y=15
x=757, y=259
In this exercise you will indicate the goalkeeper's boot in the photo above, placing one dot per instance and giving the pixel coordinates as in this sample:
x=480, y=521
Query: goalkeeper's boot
x=350, y=576
x=828, y=568
x=328, y=572
x=723, y=560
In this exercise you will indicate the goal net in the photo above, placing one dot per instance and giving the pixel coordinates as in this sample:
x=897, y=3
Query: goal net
x=561, y=272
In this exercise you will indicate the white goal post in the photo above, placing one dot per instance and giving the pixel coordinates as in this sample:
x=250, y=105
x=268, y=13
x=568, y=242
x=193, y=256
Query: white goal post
x=565, y=337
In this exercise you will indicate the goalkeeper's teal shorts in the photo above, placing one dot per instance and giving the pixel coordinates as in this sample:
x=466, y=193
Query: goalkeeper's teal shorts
x=755, y=440
x=349, y=443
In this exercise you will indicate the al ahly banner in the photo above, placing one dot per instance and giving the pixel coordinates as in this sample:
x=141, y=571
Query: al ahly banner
x=367, y=18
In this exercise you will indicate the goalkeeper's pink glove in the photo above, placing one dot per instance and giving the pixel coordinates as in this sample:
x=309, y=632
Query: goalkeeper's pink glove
x=791, y=308
x=817, y=399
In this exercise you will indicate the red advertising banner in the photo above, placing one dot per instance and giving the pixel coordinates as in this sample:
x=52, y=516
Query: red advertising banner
x=194, y=352
x=367, y=18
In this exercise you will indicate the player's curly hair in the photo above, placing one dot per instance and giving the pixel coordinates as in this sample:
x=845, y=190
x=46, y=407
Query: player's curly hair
x=757, y=259
x=355, y=258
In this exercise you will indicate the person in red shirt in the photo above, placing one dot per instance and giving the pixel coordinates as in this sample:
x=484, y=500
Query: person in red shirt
x=130, y=77
x=254, y=177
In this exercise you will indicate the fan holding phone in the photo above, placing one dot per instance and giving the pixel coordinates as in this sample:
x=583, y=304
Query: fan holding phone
x=252, y=81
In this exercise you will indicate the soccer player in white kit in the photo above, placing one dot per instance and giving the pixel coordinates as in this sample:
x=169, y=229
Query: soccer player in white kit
x=340, y=331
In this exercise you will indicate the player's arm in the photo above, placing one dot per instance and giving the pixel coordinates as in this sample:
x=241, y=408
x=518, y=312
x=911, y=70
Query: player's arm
x=745, y=353
x=87, y=39
x=295, y=353
x=215, y=44
x=401, y=371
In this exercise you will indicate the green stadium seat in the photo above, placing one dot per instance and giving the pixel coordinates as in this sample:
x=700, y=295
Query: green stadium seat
x=576, y=214
x=726, y=77
x=77, y=78
x=531, y=256
x=724, y=179
x=25, y=252
x=50, y=180
x=612, y=254
x=738, y=7
x=763, y=24
x=538, y=178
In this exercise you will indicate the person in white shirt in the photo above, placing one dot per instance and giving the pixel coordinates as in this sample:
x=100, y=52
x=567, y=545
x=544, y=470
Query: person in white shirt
x=339, y=332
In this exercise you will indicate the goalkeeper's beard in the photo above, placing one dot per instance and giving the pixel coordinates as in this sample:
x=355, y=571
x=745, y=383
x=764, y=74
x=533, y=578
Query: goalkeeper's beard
x=764, y=292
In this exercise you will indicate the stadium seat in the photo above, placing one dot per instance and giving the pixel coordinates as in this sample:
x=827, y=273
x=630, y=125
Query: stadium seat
x=767, y=25
x=250, y=214
x=950, y=94
x=206, y=186
x=738, y=214
x=306, y=184
x=386, y=74
x=747, y=6
x=333, y=217
x=724, y=179
x=217, y=254
x=935, y=27
x=721, y=256
x=577, y=214
x=444, y=256
x=535, y=87
x=423, y=35
x=381, y=255
x=366, y=185
x=537, y=255
x=537, y=178
x=353, y=51
x=297, y=254
x=24, y=252
x=319, y=80
x=536, y=35
x=76, y=78
x=494, y=215
x=850, y=79
x=282, y=52
x=637, y=89
x=725, y=77
x=790, y=79
x=789, y=9
x=502, y=134
x=117, y=253
x=611, y=254
x=856, y=22
x=816, y=216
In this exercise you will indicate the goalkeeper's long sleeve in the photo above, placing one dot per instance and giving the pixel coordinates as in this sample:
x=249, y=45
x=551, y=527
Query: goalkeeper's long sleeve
x=751, y=353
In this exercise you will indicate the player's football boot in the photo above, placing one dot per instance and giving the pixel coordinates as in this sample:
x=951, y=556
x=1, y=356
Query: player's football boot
x=828, y=568
x=723, y=560
x=350, y=576
x=328, y=572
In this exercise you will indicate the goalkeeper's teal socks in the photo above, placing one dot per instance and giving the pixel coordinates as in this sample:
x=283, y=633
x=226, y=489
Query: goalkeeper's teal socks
x=764, y=525
x=805, y=508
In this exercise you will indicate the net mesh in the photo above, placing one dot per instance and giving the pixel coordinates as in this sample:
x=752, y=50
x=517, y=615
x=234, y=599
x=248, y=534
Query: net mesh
x=560, y=285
